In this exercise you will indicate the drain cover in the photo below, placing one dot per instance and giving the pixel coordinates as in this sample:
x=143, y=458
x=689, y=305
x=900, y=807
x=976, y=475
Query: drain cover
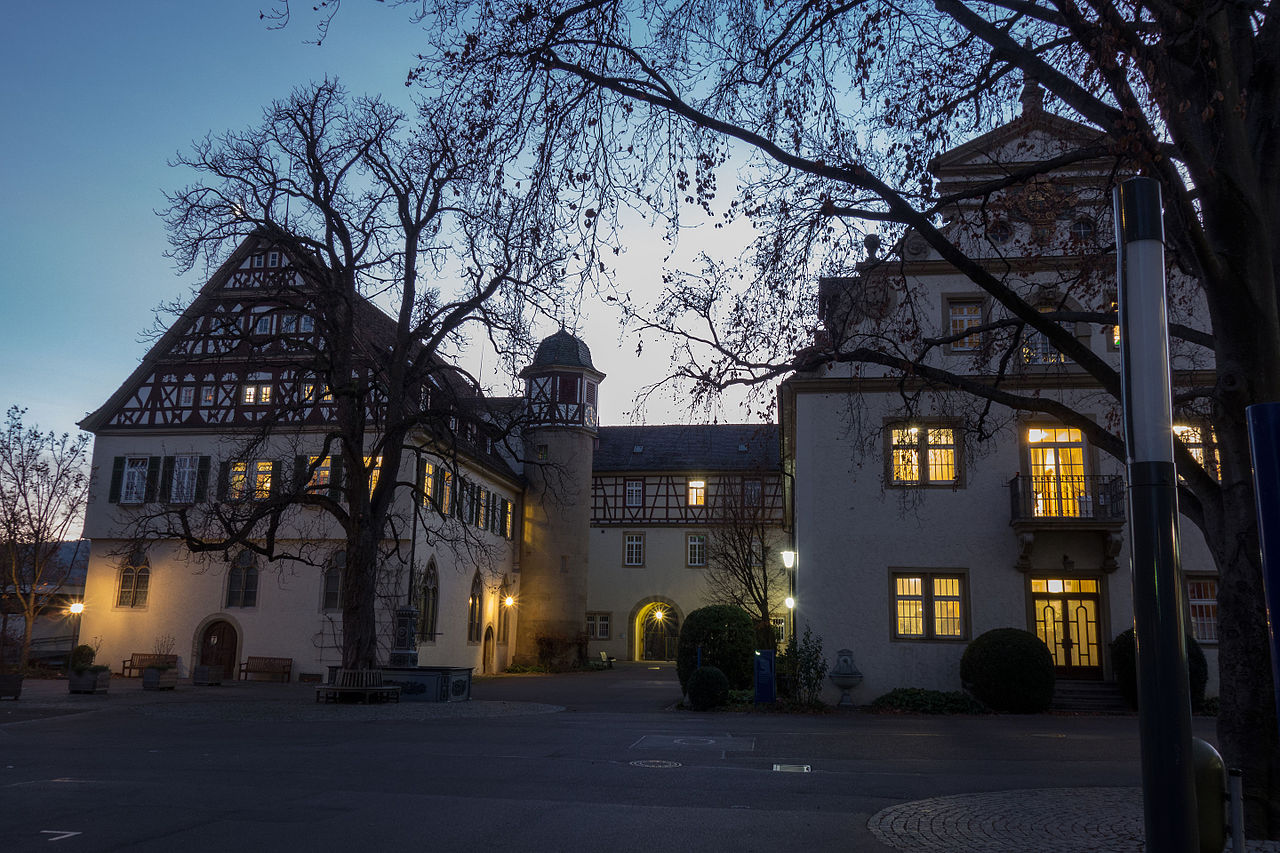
x=655, y=763
x=791, y=768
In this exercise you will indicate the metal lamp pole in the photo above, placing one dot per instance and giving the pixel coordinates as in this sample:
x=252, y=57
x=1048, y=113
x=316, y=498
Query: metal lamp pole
x=1164, y=696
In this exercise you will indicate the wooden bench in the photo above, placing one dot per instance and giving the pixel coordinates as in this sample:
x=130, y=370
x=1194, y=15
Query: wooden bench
x=139, y=661
x=275, y=669
x=606, y=660
x=363, y=684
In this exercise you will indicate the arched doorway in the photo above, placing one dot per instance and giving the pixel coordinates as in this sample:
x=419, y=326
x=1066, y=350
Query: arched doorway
x=218, y=644
x=657, y=628
x=486, y=661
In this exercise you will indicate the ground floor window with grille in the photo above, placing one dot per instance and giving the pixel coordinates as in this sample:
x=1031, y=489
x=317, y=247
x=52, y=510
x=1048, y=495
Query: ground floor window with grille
x=598, y=626
x=779, y=624
x=928, y=606
x=1203, y=600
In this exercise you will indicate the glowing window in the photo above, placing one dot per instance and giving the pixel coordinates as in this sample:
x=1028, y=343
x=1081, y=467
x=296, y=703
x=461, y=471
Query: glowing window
x=922, y=455
x=965, y=314
x=929, y=606
x=697, y=494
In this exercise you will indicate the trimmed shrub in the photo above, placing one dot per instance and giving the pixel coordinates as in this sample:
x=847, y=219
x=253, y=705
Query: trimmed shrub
x=727, y=637
x=1124, y=660
x=82, y=658
x=1009, y=669
x=917, y=700
x=708, y=688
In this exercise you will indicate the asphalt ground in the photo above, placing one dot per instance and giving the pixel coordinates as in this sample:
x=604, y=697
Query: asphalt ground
x=582, y=761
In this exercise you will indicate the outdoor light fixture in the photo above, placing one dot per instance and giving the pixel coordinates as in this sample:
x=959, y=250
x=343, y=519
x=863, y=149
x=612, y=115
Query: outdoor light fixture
x=789, y=559
x=791, y=603
x=77, y=608
x=658, y=616
x=509, y=600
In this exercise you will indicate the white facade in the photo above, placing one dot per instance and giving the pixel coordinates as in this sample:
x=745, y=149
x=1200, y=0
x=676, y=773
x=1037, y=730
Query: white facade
x=913, y=536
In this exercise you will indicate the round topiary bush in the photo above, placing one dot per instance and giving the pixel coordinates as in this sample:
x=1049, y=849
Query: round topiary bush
x=1124, y=660
x=726, y=635
x=1009, y=669
x=82, y=658
x=708, y=688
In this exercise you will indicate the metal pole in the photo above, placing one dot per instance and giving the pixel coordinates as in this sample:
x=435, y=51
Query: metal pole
x=1164, y=695
x=1236, y=817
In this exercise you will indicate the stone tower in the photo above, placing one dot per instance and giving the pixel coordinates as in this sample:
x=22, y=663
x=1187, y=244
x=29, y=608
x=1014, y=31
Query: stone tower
x=561, y=388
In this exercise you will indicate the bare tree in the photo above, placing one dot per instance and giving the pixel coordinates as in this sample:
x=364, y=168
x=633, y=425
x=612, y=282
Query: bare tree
x=364, y=206
x=743, y=566
x=823, y=116
x=44, y=485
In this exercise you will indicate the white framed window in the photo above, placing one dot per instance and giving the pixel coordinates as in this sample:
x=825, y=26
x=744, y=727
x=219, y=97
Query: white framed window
x=207, y=395
x=1036, y=348
x=696, y=549
x=273, y=259
x=182, y=488
x=133, y=488
x=1202, y=594
x=186, y=396
x=256, y=395
x=598, y=626
x=779, y=624
x=331, y=594
x=633, y=549
x=963, y=314
x=634, y=493
x=262, y=324
x=928, y=606
x=1198, y=440
x=922, y=455
x=288, y=324
x=752, y=493
x=696, y=493
x=257, y=260
x=306, y=323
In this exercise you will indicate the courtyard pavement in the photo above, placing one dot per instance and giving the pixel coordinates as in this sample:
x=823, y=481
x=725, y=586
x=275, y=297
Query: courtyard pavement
x=1052, y=783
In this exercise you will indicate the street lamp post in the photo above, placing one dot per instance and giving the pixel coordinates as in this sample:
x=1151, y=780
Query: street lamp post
x=789, y=563
x=1164, y=700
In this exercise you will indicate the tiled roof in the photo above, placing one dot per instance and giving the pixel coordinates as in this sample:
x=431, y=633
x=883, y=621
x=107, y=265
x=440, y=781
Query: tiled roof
x=562, y=350
x=702, y=447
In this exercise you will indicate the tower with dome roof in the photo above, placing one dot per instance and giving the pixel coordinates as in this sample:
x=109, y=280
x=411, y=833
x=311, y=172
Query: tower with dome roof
x=561, y=400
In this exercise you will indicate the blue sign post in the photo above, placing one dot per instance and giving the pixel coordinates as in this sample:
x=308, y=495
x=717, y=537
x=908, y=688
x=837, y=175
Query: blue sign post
x=1264, y=442
x=766, y=680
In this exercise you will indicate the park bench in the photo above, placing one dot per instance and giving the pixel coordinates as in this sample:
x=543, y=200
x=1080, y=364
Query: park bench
x=606, y=660
x=139, y=661
x=363, y=684
x=275, y=669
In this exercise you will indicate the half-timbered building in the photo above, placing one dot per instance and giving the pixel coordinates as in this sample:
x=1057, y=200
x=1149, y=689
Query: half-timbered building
x=505, y=533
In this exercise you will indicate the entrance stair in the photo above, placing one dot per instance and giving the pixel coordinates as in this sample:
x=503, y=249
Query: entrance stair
x=1099, y=697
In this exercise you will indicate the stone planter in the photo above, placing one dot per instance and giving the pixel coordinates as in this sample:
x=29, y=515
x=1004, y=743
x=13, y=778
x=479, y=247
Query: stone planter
x=159, y=678
x=10, y=685
x=206, y=676
x=89, y=681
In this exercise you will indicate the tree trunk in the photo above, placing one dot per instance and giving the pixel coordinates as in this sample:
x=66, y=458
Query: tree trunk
x=24, y=655
x=360, y=605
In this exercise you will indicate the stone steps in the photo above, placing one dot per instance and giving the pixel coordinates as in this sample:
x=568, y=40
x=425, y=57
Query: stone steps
x=1102, y=697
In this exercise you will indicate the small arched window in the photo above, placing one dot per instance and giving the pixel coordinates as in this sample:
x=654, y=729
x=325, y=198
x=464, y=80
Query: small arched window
x=242, y=581
x=475, y=606
x=331, y=597
x=135, y=581
x=1083, y=228
x=429, y=603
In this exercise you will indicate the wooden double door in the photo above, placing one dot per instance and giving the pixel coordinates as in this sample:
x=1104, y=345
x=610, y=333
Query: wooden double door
x=1066, y=614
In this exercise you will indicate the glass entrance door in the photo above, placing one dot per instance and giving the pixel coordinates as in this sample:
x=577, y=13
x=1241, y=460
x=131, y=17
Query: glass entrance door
x=1066, y=619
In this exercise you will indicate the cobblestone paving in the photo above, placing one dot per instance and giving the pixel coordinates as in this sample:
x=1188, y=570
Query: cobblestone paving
x=1045, y=820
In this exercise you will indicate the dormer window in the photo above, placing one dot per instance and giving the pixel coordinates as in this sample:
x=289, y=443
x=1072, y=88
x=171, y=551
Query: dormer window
x=639, y=448
x=273, y=259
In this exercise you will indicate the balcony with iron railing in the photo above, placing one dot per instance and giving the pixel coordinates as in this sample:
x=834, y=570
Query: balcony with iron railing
x=1055, y=500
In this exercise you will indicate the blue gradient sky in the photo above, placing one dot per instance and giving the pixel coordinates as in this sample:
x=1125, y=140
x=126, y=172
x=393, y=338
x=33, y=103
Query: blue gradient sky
x=95, y=98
